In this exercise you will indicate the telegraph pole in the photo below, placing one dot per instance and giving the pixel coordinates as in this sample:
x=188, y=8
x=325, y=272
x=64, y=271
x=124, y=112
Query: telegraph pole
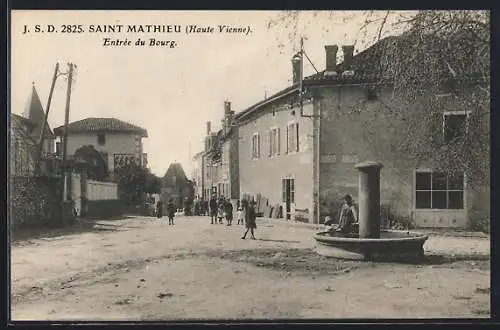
x=44, y=123
x=66, y=178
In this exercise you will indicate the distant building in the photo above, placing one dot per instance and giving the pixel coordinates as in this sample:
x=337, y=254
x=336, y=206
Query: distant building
x=35, y=113
x=119, y=142
x=197, y=174
x=25, y=136
x=176, y=186
x=220, y=161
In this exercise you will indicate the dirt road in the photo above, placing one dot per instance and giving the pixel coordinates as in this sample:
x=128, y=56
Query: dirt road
x=143, y=269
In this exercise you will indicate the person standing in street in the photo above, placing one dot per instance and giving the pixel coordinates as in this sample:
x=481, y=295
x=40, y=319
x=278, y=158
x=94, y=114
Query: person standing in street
x=213, y=209
x=221, y=211
x=239, y=213
x=250, y=220
x=229, y=212
x=159, y=209
x=171, y=212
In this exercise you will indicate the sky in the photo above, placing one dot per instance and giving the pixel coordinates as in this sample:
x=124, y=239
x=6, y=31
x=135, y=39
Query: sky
x=171, y=92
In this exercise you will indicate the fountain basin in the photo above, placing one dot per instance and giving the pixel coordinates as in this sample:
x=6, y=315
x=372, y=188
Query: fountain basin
x=390, y=245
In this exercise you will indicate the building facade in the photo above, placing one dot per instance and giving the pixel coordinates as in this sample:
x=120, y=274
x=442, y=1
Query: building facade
x=276, y=155
x=301, y=158
x=220, y=159
x=119, y=142
x=197, y=174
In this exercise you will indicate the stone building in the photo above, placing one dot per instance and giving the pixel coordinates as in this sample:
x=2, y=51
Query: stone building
x=176, y=186
x=302, y=158
x=119, y=142
x=220, y=160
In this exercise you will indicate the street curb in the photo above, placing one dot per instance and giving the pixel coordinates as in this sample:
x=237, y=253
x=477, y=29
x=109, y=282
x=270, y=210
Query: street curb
x=288, y=223
x=430, y=232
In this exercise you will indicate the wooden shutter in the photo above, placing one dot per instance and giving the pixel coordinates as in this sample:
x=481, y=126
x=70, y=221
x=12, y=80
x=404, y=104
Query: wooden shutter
x=258, y=145
x=278, y=141
x=270, y=143
x=297, y=135
x=287, y=138
x=283, y=183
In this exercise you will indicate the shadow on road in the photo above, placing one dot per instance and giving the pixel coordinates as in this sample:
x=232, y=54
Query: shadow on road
x=80, y=227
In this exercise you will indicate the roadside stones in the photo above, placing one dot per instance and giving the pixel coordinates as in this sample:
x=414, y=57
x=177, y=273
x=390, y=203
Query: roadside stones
x=483, y=290
x=126, y=301
x=392, y=285
x=164, y=295
x=279, y=255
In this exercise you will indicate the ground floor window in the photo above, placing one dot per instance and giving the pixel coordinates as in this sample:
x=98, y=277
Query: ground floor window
x=437, y=190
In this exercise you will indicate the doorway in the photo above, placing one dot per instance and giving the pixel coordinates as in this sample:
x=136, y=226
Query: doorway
x=288, y=189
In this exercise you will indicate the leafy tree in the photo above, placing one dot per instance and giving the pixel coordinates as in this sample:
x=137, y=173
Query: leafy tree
x=153, y=183
x=132, y=181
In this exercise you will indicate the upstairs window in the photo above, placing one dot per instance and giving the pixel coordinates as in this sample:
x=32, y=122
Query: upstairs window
x=101, y=139
x=292, y=138
x=455, y=125
x=274, y=142
x=256, y=146
x=435, y=190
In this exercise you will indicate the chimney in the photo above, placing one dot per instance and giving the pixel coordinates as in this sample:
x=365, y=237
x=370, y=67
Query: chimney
x=331, y=57
x=348, y=55
x=227, y=107
x=209, y=128
x=296, y=62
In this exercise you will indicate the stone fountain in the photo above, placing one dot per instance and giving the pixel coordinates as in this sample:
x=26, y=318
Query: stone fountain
x=371, y=243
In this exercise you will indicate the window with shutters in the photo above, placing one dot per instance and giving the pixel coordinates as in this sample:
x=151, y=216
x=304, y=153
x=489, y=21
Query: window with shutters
x=274, y=142
x=292, y=138
x=256, y=146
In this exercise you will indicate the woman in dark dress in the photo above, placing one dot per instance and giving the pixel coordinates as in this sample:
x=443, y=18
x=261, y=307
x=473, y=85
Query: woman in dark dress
x=159, y=209
x=251, y=217
x=229, y=212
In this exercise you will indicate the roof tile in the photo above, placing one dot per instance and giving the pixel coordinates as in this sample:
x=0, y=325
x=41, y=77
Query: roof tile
x=101, y=125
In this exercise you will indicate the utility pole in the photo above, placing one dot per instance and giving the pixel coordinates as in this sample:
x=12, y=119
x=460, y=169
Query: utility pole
x=316, y=117
x=66, y=194
x=44, y=123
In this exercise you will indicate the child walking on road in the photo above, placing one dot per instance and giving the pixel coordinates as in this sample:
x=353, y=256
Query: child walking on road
x=171, y=212
x=220, y=214
x=250, y=220
x=239, y=213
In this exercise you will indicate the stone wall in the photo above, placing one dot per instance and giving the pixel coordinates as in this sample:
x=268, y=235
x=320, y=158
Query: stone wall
x=35, y=201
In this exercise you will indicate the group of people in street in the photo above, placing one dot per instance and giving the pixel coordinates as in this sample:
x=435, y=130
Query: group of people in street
x=245, y=213
x=170, y=211
x=218, y=210
x=221, y=208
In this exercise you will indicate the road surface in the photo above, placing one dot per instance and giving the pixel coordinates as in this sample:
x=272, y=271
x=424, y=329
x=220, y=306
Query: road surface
x=140, y=268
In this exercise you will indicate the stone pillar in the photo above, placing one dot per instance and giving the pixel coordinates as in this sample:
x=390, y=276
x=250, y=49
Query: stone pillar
x=369, y=199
